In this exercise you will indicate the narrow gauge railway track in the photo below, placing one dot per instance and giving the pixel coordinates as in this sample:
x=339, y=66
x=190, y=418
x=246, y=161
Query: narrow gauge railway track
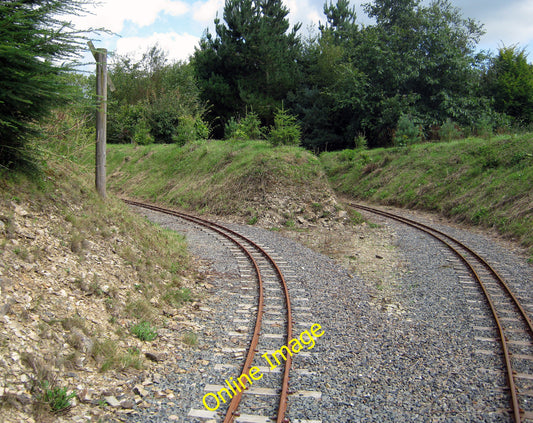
x=257, y=256
x=513, y=323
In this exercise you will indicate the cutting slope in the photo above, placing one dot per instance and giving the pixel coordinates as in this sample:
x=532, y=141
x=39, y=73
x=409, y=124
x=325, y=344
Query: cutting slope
x=281, y=185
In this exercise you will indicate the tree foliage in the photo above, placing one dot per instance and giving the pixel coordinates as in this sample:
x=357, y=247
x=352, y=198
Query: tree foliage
x=154, y=101
x=509, y=82
x=37, y=48
x=250, y=62
x=415, y=60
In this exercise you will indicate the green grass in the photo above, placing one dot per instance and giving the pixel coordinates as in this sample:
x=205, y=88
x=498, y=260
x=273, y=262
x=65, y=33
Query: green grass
x=481, y=182
x=213, y=176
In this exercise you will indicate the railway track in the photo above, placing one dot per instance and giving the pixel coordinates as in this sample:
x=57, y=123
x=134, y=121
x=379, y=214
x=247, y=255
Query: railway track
x=512, y=322
x=269, y=277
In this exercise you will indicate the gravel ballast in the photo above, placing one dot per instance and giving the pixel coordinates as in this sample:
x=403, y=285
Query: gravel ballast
x=419, y=361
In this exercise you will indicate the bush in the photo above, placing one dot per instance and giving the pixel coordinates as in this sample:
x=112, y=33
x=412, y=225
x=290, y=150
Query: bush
x=360, y=142
x=230, y=128
x=286, y=130
x=251, y=126
x=185, y=131
x=246, y=128
x=202, y=129
x=449, y=131
x=142, y=135
x=407, y=132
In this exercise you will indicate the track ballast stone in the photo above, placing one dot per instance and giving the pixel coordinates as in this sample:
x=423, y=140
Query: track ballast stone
x=372, y=363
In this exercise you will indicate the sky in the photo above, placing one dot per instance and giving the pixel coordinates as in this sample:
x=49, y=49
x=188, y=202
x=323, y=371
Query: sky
x=177, y=25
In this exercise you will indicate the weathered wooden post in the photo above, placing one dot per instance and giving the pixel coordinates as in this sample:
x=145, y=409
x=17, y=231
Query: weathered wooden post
x=101, y=121
x=102, y=82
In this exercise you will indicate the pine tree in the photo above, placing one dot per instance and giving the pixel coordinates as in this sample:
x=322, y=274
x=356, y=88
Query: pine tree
x=35, y=44
x=252, y=62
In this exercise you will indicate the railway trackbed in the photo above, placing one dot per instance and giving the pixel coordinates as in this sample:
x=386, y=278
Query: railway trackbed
x=510, y=319
x=267, y=386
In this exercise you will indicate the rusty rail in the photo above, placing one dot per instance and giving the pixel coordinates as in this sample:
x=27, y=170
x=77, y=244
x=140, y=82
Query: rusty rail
x=439, y=235
x=232, y=413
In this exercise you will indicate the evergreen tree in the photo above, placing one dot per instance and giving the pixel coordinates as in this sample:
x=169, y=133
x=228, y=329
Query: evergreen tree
x=326, y=119
x=251, y=62
x=35, y=46
x=509, y=81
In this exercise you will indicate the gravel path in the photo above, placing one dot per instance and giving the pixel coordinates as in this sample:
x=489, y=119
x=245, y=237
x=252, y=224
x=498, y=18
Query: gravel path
x=419, y=362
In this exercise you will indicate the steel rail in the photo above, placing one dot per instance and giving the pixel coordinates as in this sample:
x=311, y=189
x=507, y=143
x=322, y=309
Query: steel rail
x=222, y=230
x=503, y=339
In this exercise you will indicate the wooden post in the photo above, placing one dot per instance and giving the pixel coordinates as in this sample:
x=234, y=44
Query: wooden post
x=101, y=121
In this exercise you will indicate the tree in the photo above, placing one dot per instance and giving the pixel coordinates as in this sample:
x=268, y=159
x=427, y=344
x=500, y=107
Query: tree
x=509, y=81
x=37, y=48
x=328, y=81
x=252, y=62
x=154, y=100
x=414, y=60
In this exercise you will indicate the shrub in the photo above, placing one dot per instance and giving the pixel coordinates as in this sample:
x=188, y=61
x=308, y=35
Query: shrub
x=202, y=129
x=230, y=128
x=407, y=132
x=141, y=134
x=286, y=130
x=449, y=131
x=246, y=128
x=360, y=142
x=186, y=131
x=144, y=331
x=251, y=126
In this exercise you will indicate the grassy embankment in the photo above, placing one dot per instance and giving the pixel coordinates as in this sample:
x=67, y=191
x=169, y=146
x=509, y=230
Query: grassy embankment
x=216, y=176
x=480, y=182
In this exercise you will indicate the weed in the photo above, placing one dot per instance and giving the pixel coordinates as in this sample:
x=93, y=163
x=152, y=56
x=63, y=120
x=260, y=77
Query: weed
x=177, y=297
x=107, y=354
x=76, y=321
x=57, y=398
x=480, y=215
x=132, y=358
x=253, y=220
x=190, y=339
x=356, y=218
x=144, y=331
x=95, y=287
x=77, y=243
x=140, y=310
x=104, y=351
x=290, y=223
x=360, y=142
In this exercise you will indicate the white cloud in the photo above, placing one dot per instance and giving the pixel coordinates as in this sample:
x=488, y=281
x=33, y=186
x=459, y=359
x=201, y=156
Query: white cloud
x=111, y=14
x=511, y=25
x=177, y=46
x=205, y=11
x=304, y=12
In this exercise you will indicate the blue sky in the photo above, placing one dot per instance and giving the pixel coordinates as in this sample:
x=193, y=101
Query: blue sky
x=177, y=25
